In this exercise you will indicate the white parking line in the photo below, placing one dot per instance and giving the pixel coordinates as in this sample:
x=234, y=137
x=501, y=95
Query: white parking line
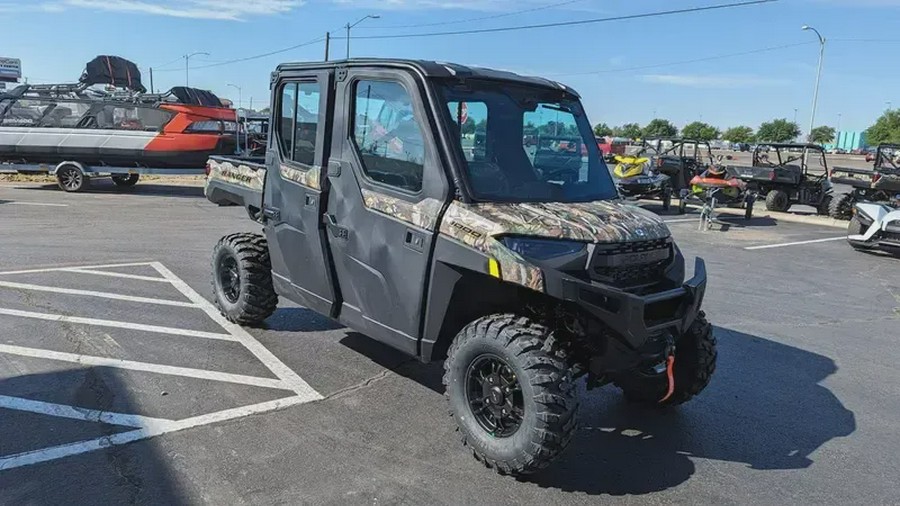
x=116, y=324
x=114, y=274
x=43, y=204
x=88, y=415
x=131, y=365
x=261, y=352
x=796, y=243
x=92, y=293
x=64, y=267
x=67, y=450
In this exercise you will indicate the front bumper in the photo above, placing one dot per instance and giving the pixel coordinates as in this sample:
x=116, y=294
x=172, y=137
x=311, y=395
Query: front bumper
x=635, y=317
x=637, y=186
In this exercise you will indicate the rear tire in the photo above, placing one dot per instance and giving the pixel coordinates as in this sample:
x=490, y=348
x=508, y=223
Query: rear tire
x=777, y=200
x=695, y=363
x=824, y=207
x=667, y=199
x=242, y=279
x=544, y=408
x=841, y=206
x=856, y=228
x=125, y=180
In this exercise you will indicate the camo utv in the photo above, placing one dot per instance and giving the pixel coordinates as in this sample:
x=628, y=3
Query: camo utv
x=466, y=215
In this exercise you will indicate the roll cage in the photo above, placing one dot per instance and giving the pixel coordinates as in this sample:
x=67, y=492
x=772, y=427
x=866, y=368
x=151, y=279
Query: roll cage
x=785, y=155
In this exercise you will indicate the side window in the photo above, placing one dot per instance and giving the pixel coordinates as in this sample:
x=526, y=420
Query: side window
x=299, y=122
x=473, y=134
x=286, y=123
x=388, y=137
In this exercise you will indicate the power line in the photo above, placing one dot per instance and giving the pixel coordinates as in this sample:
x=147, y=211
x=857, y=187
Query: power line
x=684, y=62
x=469, y=20
x=248, y=58
x=567, y=23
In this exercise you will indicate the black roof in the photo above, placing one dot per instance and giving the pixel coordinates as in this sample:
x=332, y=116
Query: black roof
x=433, y=69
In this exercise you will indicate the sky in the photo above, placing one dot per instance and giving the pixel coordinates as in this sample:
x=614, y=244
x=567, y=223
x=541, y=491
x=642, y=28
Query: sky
x=716, y=66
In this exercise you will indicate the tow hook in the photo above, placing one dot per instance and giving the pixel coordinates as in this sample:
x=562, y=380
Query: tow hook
x=670, y=374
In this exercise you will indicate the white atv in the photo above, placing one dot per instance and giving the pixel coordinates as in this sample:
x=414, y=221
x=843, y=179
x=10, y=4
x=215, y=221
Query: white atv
x=876, y=226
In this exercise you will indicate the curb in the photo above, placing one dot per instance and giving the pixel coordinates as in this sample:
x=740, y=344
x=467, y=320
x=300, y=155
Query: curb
x=761, y=212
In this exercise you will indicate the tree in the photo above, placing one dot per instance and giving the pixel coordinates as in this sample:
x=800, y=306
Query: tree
x=700, y=130
x=660, y=128
x=779, y=130
x=602, y=130
x=886, y=130
x=468, y=127
x=742, y=134
x=266, y=111
x=628, y=130
x=822, y=135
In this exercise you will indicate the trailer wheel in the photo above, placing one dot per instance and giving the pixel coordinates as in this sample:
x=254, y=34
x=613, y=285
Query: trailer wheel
x=125, y=180
x=777, y=200
x=71, y=178
x=242, y=279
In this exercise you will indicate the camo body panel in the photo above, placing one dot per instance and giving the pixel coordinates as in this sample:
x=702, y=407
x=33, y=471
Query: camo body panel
x=306, y=177
x=237, y=174
x=423, y=214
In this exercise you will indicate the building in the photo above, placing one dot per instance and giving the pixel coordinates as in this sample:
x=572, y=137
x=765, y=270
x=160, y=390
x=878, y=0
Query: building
x=850, y=140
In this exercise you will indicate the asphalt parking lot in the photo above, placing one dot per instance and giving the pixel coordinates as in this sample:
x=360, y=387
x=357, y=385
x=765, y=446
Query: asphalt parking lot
x=120, y=384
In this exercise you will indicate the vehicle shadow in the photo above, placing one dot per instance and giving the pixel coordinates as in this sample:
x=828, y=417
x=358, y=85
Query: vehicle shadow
x=427, y=375
x=299, y=319
x=146, y=189
x=134, y=473
x=765, y=408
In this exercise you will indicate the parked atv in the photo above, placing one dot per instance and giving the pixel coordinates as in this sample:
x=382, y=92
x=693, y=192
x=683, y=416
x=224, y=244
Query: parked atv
x=637, y=177
x=782, y=172
x=717, y=186
x=682, y=159
x=880, y=184
x=876, y=226
x=520, y=268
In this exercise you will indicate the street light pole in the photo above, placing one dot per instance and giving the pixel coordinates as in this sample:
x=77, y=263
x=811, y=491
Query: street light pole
x=349, y=26
x=187, y=66
x=812, y=116
x=240, y=95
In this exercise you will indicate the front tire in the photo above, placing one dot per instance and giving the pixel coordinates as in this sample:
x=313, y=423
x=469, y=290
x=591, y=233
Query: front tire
x=541, y=403
x=695, y=363
x=777, y=200
x=242, y=279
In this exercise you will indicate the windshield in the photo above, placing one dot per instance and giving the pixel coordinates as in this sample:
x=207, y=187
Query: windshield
x=526, y=144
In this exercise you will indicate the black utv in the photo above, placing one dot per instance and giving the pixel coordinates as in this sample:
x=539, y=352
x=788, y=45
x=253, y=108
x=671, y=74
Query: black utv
x=880, y=184
x=788, y=174
x=512, y=260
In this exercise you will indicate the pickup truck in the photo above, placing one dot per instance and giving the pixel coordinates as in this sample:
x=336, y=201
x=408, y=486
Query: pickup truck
x=522, y=273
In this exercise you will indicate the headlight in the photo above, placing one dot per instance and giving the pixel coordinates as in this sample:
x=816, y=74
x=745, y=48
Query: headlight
x=542, y=249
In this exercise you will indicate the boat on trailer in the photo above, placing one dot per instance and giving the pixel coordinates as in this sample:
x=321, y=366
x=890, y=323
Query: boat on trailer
x=107, y=124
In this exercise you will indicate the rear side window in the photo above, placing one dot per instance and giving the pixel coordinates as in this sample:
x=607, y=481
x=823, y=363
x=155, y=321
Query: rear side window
x=387, y=135
x=299, y=122
x=25, y=113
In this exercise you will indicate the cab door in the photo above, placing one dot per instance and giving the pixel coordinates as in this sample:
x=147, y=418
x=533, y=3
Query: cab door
x=386, y=190
x=294, y=195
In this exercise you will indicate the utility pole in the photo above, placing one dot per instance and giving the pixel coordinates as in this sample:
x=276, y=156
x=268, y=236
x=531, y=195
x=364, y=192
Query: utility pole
x=240, y=95
x=349, y=26
x=151, y=80
x=795, y=114
x=327, y=44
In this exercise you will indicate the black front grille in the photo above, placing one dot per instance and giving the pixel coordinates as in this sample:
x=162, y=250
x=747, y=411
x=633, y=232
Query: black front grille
x=631, y=265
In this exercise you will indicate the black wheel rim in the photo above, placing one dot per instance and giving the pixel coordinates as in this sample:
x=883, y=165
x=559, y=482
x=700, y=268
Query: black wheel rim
x=494, y=396
x=229, y=278
x=71, y=179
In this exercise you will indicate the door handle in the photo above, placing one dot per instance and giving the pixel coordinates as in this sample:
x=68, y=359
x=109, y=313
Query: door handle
x=414, y=241
x=335, y=229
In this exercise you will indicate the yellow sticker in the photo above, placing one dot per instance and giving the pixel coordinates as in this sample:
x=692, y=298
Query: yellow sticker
x=494, y=268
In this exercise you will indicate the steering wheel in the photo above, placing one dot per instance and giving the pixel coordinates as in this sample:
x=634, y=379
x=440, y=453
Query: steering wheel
x=488, y=177
x=565, y=174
